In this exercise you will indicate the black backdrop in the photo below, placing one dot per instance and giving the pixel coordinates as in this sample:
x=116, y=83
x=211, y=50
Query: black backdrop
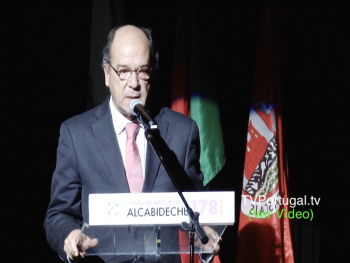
x=44, y=80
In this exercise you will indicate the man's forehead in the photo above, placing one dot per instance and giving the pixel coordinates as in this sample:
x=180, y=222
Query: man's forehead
x=130, y=41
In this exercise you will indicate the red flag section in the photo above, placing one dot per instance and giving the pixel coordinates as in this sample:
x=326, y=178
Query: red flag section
x=264, y=229
x=180, y=94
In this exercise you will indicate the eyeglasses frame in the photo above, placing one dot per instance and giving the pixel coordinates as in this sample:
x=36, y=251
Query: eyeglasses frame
x=132, y=70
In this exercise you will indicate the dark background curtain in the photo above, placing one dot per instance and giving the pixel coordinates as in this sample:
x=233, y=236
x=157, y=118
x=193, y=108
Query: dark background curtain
x=45, y=48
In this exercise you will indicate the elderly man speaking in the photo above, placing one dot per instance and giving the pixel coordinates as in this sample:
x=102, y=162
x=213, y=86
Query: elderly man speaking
x=104, y=150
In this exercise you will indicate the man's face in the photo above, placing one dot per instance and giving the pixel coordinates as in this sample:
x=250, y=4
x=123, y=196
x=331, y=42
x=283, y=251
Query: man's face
x=130, y=50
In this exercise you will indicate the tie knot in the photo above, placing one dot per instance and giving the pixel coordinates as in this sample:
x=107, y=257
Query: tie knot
x=131, y=129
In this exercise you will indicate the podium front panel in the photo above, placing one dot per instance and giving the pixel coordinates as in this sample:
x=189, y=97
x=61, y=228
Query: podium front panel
x=148, y=240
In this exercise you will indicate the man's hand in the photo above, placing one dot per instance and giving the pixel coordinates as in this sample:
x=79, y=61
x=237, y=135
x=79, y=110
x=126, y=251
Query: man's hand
x=214, y=240
x=76, y=246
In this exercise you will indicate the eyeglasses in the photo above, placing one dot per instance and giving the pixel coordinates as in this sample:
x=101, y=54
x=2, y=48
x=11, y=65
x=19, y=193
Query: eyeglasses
x=125, y=73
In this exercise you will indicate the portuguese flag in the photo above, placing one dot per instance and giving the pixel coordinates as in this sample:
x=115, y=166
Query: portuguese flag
x=194, y=93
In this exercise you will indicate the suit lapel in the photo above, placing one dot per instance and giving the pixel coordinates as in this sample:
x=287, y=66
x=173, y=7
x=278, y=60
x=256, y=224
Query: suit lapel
x=152, y=161
x=108, y=145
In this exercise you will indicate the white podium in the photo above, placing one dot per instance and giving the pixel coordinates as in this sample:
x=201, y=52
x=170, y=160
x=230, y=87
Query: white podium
x=149, y=224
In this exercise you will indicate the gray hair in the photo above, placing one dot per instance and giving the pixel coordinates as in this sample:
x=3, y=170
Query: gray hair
x=106, y=53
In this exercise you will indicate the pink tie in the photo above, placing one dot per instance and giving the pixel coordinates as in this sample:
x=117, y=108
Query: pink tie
x=132, y=160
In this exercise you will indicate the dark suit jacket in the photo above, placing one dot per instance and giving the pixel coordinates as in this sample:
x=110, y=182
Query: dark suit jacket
x=89, y=161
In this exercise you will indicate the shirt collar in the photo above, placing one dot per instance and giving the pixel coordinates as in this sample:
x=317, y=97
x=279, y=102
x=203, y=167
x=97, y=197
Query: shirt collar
x=119, y=121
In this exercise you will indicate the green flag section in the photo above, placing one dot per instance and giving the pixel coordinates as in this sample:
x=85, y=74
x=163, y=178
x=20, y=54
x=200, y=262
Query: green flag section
x=193, y=90
x=206, y=113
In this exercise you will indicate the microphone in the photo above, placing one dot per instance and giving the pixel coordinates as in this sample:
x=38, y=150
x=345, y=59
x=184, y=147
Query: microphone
x=137, y=109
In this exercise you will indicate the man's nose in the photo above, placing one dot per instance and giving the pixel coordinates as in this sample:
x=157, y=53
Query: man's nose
x=133, y=81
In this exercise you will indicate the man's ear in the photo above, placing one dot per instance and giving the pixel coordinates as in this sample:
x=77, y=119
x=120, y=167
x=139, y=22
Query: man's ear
x=106, y=72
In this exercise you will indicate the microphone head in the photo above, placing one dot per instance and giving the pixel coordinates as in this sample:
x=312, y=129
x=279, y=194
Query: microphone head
x=133, y=103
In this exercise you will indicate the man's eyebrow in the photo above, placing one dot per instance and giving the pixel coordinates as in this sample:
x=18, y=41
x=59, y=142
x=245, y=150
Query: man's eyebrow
x=122, y=66
x=126, y=66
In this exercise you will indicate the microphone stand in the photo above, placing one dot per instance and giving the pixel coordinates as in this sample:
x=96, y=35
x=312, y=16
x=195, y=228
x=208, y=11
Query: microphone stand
x=173, y=168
